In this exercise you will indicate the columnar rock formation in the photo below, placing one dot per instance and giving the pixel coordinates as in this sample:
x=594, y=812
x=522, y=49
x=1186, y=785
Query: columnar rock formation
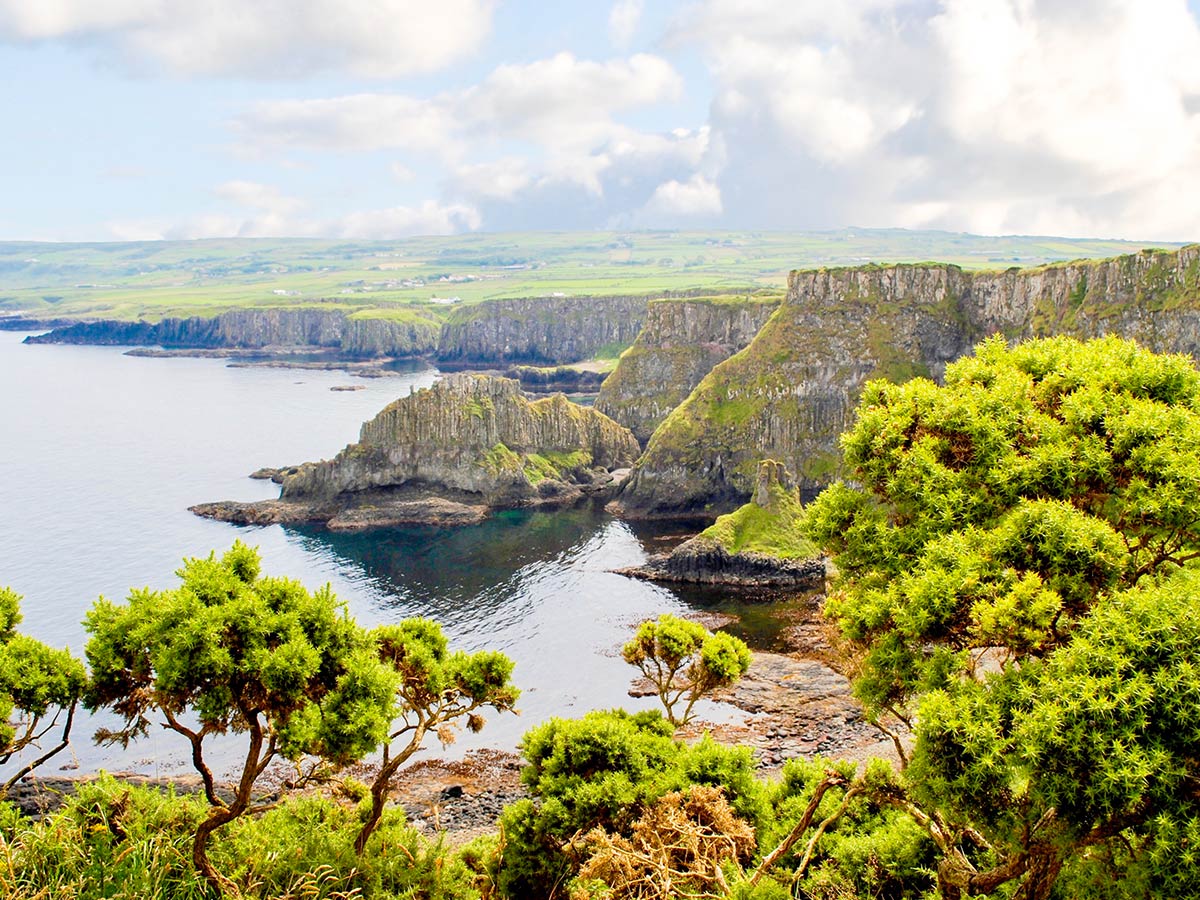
x=679, y=344
x=792, y=391
x=449, y=454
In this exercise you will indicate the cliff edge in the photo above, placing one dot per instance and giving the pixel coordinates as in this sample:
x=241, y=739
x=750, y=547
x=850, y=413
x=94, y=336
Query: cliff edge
x=793, y=389
x=680, y=342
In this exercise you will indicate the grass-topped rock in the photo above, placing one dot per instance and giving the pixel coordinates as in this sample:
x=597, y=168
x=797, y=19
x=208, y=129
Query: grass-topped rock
x=448, y=455
x=760, y=544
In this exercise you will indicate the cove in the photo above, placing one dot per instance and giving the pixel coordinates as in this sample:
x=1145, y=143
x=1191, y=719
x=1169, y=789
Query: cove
x=103, y=453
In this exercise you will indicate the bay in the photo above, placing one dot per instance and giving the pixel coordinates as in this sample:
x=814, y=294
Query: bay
x=102, y=453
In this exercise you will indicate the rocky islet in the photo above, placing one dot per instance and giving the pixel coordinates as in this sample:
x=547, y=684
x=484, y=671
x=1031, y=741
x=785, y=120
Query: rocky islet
x=448, y=455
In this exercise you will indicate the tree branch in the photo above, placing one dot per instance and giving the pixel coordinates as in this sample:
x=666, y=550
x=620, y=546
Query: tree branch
x=830, y=779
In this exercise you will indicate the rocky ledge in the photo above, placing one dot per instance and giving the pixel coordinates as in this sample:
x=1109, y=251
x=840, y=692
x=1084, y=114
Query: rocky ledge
x=762, y=544
x=704, y=561
x=448, y=455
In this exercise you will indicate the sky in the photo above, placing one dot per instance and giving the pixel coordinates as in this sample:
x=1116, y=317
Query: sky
x=149, y=119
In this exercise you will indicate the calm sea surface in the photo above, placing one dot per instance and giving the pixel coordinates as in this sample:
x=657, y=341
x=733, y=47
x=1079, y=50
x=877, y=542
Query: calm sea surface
x=101, y=454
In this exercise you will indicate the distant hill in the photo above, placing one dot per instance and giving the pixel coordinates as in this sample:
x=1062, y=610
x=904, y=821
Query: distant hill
x=152, y=280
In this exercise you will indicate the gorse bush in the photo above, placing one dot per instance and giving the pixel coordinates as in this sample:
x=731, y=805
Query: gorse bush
x=231, y=651
x=1017, y=557
x=434, y=690
x=114, y=840
x=603, y=771
x=685, y=662
x=37, y=682
x=260, y=657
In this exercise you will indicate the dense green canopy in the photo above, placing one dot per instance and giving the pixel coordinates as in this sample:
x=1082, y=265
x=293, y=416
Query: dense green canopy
x=1015, y=552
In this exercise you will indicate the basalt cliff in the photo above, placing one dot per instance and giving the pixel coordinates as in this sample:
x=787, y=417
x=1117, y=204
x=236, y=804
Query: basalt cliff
x=539, y=330
x=349, y=334
x=792, y=390
x=680, y=342
x=448, y=455
x=499, y=333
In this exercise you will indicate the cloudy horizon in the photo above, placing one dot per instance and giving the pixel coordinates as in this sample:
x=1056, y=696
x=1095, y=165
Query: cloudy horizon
x=149, y=119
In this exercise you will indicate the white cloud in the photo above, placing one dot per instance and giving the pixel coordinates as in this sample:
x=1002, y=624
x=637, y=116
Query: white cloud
x=563, y=109
x=501, y=179
x=429, y=218
x=403, y=221
x=268, y=38
x=696, y=198
x=983, y=115
x=623, y=21
x=560, y=104
x=566, y=101
x=355, y=122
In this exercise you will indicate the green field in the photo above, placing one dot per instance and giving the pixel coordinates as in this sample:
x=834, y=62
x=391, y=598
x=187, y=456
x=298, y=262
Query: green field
x=400, y=279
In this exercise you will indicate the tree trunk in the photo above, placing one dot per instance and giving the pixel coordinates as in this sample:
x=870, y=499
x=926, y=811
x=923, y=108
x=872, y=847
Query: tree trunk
x=223, y=815
x=218, y=817
x=379, y=794
x=381, y=786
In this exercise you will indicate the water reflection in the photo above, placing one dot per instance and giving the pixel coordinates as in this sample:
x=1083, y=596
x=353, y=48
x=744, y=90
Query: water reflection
x=539, y=586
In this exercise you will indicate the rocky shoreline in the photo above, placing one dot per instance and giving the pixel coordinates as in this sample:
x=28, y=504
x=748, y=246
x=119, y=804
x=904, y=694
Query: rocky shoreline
x=390, y=508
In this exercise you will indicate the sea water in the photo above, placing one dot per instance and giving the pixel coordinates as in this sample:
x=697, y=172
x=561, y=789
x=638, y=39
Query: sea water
x=102, y=453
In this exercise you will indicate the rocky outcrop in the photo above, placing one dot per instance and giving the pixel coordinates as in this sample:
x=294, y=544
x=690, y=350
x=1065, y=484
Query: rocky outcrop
x=792, y=391
x=351, y=335
x=759, y=545
x=449, y=454
x=704, y=561
x=681, y=341
x=552, y=379
x=540, y=330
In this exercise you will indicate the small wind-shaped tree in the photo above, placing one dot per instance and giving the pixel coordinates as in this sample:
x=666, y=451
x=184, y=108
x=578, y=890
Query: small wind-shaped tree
x=228, y=652
x=36, y=682
x=435, y=688
x=685, y=661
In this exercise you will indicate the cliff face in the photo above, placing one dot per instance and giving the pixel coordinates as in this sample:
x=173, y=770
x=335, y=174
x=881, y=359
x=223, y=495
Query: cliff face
x=470, y=433
x=542, y=331
x=791, y=392
x=680, y=342
x=372, y=338
x=258, y=328
x=1150, y=297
